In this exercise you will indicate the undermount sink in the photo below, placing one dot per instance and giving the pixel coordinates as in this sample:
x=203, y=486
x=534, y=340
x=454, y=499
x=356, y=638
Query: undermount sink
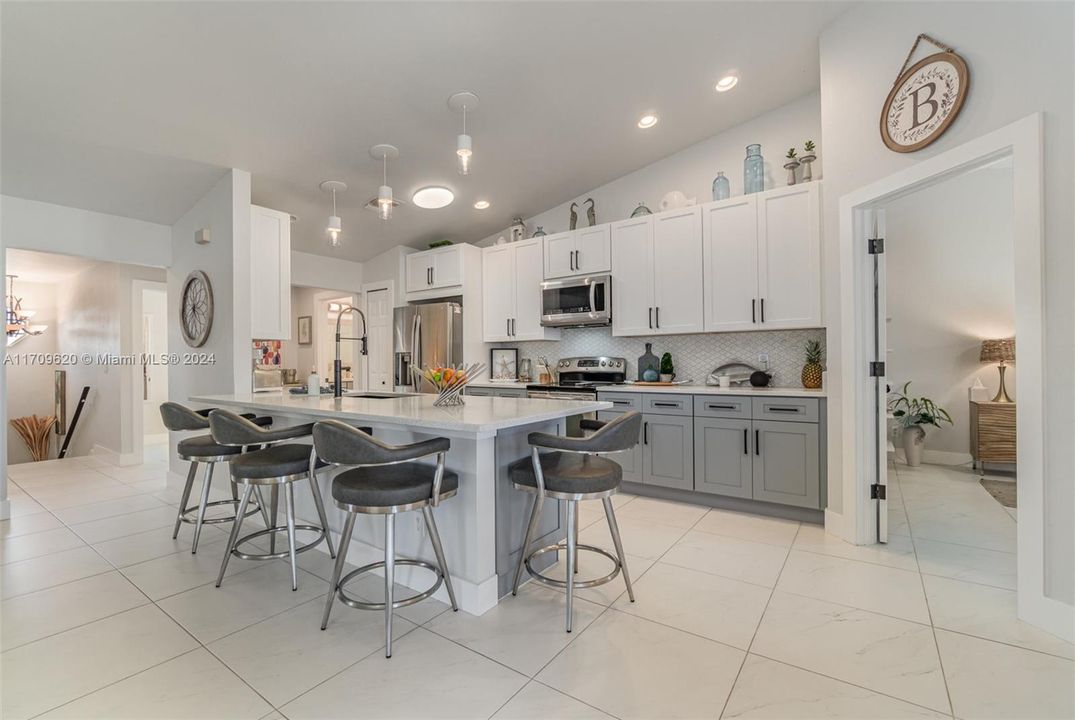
x=378, y=395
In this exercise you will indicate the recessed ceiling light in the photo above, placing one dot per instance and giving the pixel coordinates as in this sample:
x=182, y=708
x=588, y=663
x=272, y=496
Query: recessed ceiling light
x=726, y=83
x=481, y=205
x=647, y=121
x=432, y=198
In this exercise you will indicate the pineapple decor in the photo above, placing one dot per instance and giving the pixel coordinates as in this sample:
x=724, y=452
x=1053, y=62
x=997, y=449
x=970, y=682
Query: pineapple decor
x=811, y=376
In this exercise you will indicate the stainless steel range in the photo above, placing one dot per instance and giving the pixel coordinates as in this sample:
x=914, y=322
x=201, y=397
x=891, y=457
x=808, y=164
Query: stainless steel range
x=578, y=379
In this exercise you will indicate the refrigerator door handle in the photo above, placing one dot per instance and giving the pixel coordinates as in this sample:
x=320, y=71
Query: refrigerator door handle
x=416, y=354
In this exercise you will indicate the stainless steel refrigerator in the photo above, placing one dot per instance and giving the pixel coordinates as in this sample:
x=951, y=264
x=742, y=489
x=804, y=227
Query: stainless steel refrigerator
x=425, y=336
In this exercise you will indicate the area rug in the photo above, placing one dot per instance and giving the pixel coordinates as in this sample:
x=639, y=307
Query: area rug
x=1003, y=491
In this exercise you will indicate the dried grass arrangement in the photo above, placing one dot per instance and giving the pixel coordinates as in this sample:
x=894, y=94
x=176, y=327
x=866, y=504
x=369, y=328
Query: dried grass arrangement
x=34, y=431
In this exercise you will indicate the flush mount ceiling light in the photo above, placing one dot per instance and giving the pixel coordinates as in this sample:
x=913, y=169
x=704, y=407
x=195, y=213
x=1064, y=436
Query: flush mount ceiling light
x=460, y=102
x=385, y=202
x=334, y=226
x=481, y=205
x=432, y=198
x=726, y=83
x=647, y=121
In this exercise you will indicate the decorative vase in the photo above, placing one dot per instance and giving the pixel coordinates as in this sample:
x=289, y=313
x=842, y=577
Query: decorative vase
x=722, y=189
x=540, y=232
x=805, y=161
x=641, y=210
x=667, y=377
x=790, y=166
x=649, y=364
x=914, y=437
x=753, y=170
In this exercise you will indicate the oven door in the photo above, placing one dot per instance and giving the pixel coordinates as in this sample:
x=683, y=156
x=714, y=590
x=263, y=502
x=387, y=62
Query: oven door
x=572, y=429
x=576, y=302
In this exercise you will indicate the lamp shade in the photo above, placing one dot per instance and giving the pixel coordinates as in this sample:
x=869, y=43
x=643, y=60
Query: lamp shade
x=998, y=351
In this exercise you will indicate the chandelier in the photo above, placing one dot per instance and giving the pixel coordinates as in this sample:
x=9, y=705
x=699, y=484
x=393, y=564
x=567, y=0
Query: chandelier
x=18, y=320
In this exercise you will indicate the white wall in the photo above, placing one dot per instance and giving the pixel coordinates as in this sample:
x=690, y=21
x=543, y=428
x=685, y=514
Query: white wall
x=320, y=271
x=35, y=225
x=1020, y=58
x=390, y=265
x=692, y=169
x=30, y=385
x=949, y=261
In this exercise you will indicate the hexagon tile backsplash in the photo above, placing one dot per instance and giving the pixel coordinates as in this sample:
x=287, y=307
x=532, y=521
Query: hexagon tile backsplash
x=694, y=356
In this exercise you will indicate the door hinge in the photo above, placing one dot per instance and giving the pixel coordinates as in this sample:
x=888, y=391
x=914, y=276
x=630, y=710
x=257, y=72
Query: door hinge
x=878, y=492
x=877, y=369
x=875, y=246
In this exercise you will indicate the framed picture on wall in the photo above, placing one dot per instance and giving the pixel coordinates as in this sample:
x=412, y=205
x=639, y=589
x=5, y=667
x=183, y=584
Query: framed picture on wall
x=306, y=329
x=504, y=363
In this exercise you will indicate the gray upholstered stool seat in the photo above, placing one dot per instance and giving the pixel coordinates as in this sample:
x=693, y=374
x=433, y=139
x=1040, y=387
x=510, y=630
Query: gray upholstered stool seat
x=390, y=485
x=204, y=446
x=566, y=473
x=572, y=472
x=273, y=462
x=385, y=480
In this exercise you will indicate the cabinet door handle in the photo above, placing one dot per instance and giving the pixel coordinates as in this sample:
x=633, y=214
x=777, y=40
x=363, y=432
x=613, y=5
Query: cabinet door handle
x=621, y=402
x=645, y=433
x=571, y=259
x=513, y=327
x=667, y=404
x=713, y=406
x=746, y=442
x=650, y=318
x=757, y=442
x=753, y=310
x=772, y=408
x=578, y=261
x=763, y=309
x=658, y=318
x=507, y=327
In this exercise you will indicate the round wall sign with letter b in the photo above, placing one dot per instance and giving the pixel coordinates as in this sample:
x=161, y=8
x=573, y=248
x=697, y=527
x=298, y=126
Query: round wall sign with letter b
x=924, y=101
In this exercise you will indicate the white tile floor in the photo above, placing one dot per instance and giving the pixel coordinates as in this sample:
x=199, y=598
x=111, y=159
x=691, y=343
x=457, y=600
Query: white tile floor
x=104, y=616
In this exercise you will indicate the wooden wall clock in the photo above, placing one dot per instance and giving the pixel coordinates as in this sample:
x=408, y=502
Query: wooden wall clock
x=925, y=99
x=196, y=308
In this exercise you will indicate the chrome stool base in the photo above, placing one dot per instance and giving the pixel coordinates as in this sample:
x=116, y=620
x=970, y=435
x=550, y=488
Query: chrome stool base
x=276, y=555
x=363, y=605
x=580, y=584
x=189, y=515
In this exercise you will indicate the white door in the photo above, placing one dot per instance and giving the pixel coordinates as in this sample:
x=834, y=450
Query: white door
x=529, y=272
x=447, y=267
x=592, y=250
x=789, y=268
x=498, y=292
x=730, y=280
x=560, y=255
x=632, y=277
x=419, y=267
x=677, y=271
x=379, y=331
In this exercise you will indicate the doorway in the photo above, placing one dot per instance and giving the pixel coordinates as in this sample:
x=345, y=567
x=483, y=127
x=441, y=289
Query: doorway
x=379, y=307
x=152, y=343
x=328, y=307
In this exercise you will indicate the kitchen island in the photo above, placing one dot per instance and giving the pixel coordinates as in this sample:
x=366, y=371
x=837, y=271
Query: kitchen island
x=482, y=526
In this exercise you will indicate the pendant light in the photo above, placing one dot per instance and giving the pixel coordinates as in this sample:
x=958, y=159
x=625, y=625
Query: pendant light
x=334, y=226
x=464, y=146
x=385, y=201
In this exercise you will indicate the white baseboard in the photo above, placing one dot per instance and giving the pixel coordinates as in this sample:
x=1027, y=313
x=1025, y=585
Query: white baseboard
x=5, y=509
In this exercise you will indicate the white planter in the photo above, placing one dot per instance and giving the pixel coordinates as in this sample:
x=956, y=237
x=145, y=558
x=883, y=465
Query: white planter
x=914, y=439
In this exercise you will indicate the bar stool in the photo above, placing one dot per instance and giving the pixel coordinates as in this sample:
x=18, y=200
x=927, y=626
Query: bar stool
x=385, y=480
x=570, y=473
x=201, y=449
x=272, y=466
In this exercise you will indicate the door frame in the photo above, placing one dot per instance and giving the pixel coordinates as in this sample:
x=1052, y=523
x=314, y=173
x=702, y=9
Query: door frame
x=1022, y=141
x=390, y=287
x=136, y=426
x=321, y=298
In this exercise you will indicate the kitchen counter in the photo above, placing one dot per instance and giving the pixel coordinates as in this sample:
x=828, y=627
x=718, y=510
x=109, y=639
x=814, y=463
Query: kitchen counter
x=714, y=390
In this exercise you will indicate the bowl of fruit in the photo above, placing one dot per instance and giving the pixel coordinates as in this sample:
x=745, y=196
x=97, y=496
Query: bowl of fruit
x=449, y=380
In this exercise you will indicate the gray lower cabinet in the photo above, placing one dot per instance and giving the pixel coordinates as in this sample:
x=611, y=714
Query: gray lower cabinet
x=723, y=459
x=496, y=392
x=786, y=463
x=668, y=451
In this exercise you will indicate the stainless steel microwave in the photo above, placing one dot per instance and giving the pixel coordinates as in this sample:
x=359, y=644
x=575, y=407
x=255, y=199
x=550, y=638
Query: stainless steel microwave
x=577, y=301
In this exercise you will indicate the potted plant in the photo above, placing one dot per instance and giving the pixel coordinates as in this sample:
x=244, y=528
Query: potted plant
x=790, y=165
x=668, y=371
x=807, y=157
x=811, y=375
x=914, y=414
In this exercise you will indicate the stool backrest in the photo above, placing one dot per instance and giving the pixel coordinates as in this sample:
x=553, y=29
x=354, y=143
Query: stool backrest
x=619, y=434
x=178, y=417
x=228, y=428
x=341, y=444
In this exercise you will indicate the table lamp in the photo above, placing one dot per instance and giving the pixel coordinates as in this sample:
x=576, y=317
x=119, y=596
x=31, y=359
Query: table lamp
x=1000, y=351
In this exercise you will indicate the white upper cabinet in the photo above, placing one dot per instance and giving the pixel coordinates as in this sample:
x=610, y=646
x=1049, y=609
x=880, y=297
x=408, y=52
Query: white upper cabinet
x=270, y=274
x=511, y=292
x=657, y=274
x=585, y=251
x=763, y=260
x=435, y=270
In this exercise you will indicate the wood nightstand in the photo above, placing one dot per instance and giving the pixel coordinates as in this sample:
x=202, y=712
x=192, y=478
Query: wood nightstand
x=992, y=432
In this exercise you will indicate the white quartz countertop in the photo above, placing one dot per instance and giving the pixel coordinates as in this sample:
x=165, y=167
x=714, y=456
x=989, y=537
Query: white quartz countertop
x=714, y=390
x=478, y=417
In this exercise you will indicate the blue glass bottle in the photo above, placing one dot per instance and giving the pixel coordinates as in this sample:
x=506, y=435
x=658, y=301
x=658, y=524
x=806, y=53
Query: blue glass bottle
x=722, y=189
x=753, y=170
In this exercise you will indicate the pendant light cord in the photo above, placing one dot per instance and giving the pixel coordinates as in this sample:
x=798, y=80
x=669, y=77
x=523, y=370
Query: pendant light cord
x=464, y=119
x=333, y=202
x=385, y=175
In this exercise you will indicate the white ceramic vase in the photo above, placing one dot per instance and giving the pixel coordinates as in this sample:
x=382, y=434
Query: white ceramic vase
x=914, y=438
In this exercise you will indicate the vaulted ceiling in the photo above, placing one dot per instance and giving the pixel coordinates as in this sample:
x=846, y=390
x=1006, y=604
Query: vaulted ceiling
x=137, y=109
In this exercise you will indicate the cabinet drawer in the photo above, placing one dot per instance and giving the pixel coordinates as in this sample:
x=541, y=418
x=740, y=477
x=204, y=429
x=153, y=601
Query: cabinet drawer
x=667, y=404
x=481, y=392
x=738, y=408
x=622, y=402
x=787, y=409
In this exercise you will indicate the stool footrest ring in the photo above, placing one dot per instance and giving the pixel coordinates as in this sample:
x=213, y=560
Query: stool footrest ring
x=279, y=555
x=190, y=515
x=363, y=605
x=578, y=584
